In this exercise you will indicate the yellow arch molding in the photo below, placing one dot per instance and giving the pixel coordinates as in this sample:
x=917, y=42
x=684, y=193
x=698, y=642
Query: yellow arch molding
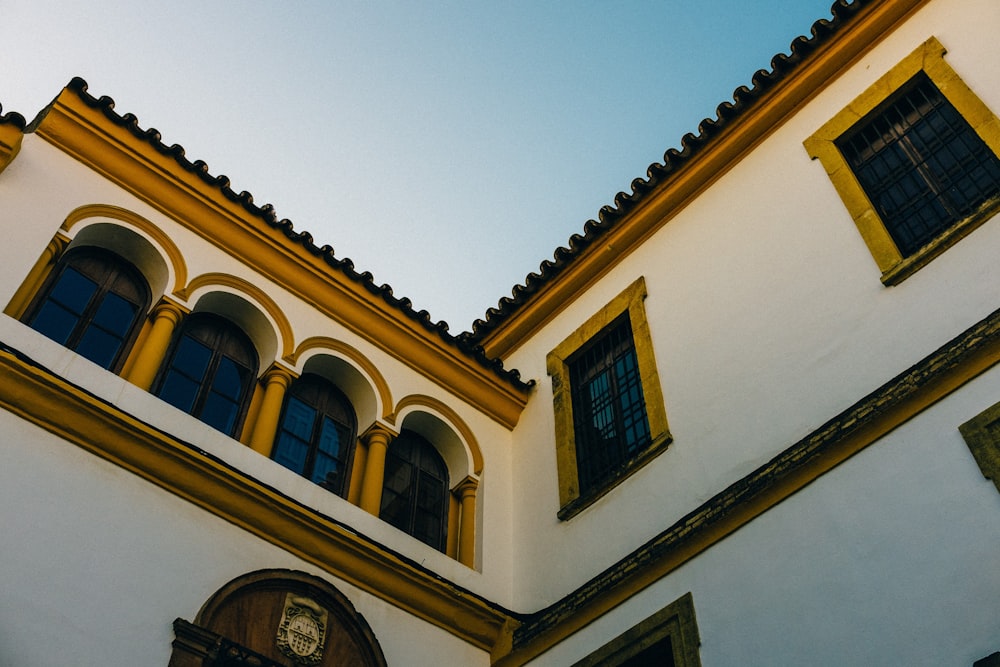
x=322, y=342
x=123, y=215
x=225, y=280
x=453, y=419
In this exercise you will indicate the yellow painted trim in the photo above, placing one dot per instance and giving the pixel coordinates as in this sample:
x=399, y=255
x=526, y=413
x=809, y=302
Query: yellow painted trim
x=78, y=417
x=631, y=301
x=361, y=361
x=840, y=438
x=736, y=140
x=106, y=211
x=36, y=277
x=286, y=342
x=927, y=58
x=10, y=144
x=111, y=150
x=676, y=621
x=452, y=419
x=982, y=435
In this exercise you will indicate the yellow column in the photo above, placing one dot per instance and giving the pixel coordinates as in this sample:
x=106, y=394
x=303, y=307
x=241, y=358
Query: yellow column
x=39, y=272
x=466, y=491
x=378, y=438
x=276, y=380
x=166, y=315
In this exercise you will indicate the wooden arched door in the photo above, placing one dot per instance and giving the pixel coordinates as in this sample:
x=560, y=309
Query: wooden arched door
x=276, y=618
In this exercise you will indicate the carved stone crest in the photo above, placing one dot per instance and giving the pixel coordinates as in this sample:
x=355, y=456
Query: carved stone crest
x=302, y=631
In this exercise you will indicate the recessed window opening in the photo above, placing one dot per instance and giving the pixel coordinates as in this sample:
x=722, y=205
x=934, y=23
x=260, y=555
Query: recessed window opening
x=609, y=411
x=415, y=490
x=921, y=164
x=93, y=305
x=317, y=433
x=210, y=372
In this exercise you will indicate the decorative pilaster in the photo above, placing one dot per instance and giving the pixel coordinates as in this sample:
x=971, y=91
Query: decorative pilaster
x=276, y=381
x=377, y=438
x=166, y=316
x=39, y=272
x=466, y=491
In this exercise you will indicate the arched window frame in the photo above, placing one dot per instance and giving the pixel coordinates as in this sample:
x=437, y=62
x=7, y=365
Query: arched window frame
x=111, y=275
x=224, y=341
x=330, y=408
x=415, y=481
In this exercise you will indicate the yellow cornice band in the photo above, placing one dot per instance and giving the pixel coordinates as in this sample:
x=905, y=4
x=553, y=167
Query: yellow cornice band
x=134, y=164
x=75, y=415
x=10, y=143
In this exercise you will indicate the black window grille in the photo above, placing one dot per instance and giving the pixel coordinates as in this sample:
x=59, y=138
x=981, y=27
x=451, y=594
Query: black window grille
x=921, y=164
x=415, y=491
x=93, y=304
x=317, y=433
x=610, y=425
x=210, y=372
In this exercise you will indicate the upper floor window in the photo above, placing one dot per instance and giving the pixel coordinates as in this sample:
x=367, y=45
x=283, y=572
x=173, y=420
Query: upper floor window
x=609, y=410
x=914, y=163
x=921, y=164
x=415, y=490
x=317, y=433
x=609, y=414
x=210, y=371
x=93, y=303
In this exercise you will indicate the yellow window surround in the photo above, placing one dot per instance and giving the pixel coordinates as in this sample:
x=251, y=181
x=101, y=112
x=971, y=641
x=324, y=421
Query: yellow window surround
x=928, y=58
x=675, y=622
x=631, y=301
x=982, y=435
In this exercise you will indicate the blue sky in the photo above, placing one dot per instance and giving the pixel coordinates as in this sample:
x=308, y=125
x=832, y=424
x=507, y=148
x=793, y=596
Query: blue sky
x=447, y=147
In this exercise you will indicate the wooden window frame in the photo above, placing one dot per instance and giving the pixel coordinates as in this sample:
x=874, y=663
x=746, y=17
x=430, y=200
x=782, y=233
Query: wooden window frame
x=929, y=59
x=329, y=393
x=630, y=301
x=115, y=267
x=445, y=501
x=204, y=385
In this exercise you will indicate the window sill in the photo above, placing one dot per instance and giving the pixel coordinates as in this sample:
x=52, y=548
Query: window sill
x=619, y=475
x=905, y=268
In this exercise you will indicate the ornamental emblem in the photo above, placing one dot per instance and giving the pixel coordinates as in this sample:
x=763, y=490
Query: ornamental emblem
x=302, y=630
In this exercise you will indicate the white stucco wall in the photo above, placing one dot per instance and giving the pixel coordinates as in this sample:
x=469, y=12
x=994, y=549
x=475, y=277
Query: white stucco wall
x=42, y=186
x=893, y=558
x=96, y=564
x=767, y=316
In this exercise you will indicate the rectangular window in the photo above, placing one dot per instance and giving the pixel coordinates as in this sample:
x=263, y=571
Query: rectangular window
x=921, y=164
x=914, y=159
x=609, y=413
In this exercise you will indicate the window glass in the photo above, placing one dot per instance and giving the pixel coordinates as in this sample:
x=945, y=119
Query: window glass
x=210, y=372
x=93, y=304
x=415, y=489
x=609, y=413
x=921, y=164
x=317, y=433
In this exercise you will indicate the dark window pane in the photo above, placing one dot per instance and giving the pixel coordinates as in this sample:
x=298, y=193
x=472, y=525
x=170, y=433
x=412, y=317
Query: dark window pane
x=322, y=422
x=205, y=375
x=609, y=410
x=93, y=306
x=921, y=164
x=415, y=491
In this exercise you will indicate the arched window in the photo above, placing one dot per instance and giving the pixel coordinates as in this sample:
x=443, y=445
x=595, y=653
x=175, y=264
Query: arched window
x=93, y=303
x=209, y=372
x=317, y=433
x=415, y=491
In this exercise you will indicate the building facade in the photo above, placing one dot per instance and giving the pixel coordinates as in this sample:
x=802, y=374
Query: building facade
x=747, y=417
